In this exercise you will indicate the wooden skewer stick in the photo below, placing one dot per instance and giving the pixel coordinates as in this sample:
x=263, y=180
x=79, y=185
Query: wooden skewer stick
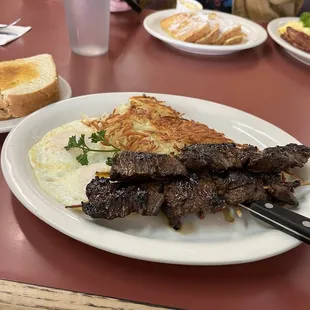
x=74, y=207
x=293, y=175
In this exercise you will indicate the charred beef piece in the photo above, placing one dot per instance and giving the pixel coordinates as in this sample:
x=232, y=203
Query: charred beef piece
x=279, y=158
x=221, y=157
x=283, y=193
x=246, y=187
x=129, y=166
x=110, y=200
x=187, y=196
x=240, y=187
x=215, y=157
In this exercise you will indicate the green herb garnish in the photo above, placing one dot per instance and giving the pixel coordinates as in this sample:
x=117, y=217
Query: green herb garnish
x=305, y=19
x=95, y=138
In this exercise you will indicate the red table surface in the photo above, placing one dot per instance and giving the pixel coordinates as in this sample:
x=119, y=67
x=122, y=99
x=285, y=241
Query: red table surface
x=264, y=81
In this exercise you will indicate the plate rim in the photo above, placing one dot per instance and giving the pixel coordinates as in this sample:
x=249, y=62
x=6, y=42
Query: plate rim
x=8, y=128
x=276, y=38
x=116, y=236
x=207, y=48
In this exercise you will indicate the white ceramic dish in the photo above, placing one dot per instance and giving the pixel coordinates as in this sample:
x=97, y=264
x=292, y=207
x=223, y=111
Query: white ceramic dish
x=273, y=27
x=212, y=241
x=65, y=93
x=188, y=6
x=256, y=35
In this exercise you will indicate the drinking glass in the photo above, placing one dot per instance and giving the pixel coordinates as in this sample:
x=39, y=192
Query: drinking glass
x=88, y=24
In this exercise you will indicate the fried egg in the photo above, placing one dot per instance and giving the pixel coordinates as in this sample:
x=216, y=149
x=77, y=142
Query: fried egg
x=58, y=172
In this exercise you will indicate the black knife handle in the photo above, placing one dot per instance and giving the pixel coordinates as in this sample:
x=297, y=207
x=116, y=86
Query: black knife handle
x=135, y=5
x=286, y=220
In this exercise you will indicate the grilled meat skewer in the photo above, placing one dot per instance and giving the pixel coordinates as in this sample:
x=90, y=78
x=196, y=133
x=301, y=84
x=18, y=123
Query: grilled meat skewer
x=212, y=193
x=177, y=198
x=224, y=174
x=218, y=157
x=110, y=200
x=190, y=195
x=128, y=165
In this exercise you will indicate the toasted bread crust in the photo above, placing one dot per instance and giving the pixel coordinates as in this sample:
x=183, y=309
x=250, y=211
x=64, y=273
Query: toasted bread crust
x=18, y=105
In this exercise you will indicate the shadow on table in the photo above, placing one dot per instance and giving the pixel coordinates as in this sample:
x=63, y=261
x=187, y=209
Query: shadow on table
x=303, y=68
x=45, y=240
x=62, y=262
x=2, y=138
x=246, y=58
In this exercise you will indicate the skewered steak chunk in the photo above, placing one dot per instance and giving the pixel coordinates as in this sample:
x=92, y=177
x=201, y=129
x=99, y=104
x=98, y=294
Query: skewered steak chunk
x=187, y=196
x=279, y=158
x=246, y=187
x=215, y=157
x=240, y=187
x=221, y=157
x=283, y=193
x=111, y=200
x=128, y=165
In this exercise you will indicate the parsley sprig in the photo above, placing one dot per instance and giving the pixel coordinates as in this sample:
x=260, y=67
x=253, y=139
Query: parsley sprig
x=95, y=138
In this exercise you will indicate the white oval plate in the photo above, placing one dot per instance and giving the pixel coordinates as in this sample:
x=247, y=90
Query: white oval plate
x=256, y=35
x=65, y=93
x=273, y=27
x=211, y=241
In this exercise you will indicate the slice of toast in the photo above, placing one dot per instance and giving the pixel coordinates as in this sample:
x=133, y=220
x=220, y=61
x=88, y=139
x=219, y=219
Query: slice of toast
x=194, y=29
x=187, y=27
x=27, y=85
x=228, y=32
x=210, y=29
x=234, y=40
x=173, y=23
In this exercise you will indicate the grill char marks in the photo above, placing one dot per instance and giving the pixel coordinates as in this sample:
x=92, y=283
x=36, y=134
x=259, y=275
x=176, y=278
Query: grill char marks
x=141, y=166
x=279, y=158
x=247, y=187
x=221, y=157
x=283, y=193
x=239, y=187
x=215, y=157
x=190, y=196
x=217, y=175
x=110, y=200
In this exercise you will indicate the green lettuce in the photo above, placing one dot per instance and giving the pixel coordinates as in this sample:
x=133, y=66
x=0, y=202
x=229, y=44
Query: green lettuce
x=305, y=19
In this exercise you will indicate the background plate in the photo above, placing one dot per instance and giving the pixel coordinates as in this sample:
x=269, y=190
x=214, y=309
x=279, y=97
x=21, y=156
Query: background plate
x=65, y=93
x=273, y=27
x=256, y=34
x=211, y=241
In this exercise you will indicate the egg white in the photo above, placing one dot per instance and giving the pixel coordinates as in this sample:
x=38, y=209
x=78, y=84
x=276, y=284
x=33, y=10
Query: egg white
x=58, y=172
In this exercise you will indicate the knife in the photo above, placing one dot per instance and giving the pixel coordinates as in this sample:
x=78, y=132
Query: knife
x=290, y=222
x=8, y=33
x=135, y=5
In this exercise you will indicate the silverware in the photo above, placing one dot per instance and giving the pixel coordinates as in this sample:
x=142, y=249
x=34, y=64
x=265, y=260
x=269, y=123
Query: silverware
x=11, y=24
x=8, y=33
x=290, y=222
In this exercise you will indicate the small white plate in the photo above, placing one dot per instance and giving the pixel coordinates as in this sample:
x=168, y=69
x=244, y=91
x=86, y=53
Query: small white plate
x=65, y=93
x=273, y=27
x=256, y=34
x=211, y=241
